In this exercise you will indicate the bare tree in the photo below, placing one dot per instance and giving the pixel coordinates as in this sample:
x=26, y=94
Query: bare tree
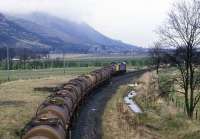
x=182, y=31
x=156, y=55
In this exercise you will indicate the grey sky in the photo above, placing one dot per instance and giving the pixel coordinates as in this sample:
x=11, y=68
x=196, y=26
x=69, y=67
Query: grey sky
x=132, y=21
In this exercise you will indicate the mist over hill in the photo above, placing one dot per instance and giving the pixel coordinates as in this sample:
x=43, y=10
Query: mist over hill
x=40, y=31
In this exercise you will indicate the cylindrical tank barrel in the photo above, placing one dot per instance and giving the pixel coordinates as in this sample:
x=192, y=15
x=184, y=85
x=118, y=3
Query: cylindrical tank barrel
x=49, y=127
x=74, y=89
x=57, y=106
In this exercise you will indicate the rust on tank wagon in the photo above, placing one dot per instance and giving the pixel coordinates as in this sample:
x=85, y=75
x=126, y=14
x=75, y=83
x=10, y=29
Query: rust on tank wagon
x=77, y=83
x=75, y=90
x=46, y=132
x=62, y=113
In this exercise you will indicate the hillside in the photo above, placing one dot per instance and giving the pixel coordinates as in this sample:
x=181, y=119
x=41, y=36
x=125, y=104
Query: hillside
x=42, y=31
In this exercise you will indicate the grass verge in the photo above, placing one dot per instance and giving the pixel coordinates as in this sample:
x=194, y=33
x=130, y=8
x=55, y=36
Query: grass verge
x=161, y=119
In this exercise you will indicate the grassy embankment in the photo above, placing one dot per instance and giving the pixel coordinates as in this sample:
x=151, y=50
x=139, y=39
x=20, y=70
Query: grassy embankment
x=161, y=118
x=19, y=101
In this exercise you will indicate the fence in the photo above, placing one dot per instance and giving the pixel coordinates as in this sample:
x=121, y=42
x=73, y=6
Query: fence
x=180, y=104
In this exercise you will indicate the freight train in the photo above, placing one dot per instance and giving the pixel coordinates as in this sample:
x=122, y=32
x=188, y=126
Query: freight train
x=53, y=117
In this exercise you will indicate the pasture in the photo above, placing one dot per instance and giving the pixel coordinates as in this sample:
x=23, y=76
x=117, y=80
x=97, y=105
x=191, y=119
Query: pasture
x=42, y=73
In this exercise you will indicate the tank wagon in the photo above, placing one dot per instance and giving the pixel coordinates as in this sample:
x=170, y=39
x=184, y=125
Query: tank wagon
x=53, y=117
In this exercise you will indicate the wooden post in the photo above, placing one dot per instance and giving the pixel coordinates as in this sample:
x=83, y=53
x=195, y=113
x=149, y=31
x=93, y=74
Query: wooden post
x=8, y=62
x=147, y=102
x=64, y=62
x=196, y=114
x=183, y=105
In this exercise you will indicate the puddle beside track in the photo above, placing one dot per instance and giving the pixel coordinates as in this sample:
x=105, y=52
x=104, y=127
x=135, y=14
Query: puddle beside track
x=131, y=103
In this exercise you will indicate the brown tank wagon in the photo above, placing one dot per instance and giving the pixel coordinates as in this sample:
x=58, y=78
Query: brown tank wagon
x=99, y=76
x=56, y=106
x=93, y=80
x=54, y=115
x=45, y=128
x=74, y=89
x=106, y=74
x=86, y=80
x=78, y=83
x=66, y=94
x=69, y=102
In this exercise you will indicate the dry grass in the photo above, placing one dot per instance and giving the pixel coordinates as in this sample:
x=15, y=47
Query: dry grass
x=116, y=118
x=42, y=73
x=119, y=122
x=160, y=120
x=147, y=84
x=18, y=103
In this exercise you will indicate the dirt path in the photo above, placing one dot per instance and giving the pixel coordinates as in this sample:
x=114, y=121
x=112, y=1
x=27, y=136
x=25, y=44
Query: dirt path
x=88, y=123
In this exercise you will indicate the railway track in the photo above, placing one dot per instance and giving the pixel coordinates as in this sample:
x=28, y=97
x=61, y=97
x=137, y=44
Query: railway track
x=88, y=123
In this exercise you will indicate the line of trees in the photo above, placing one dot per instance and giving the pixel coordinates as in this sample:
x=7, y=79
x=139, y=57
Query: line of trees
x=21, y=54
x=59, y=63
x=181, y=33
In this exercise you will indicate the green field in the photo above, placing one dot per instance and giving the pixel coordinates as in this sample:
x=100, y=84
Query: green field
x=42, y=73
x=59, y=63
x=40, y=69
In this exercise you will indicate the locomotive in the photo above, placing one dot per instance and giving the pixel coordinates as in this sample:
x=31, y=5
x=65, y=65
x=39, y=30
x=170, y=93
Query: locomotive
x=53, y=117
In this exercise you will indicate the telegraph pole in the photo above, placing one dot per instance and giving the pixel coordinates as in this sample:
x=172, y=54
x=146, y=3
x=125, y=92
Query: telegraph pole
x=64, y=61
x=8, y=63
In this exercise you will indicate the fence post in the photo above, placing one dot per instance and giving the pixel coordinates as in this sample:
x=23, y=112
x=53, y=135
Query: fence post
x=196, y=114
x=146, y=101
x=182, y=105
x=176, y=102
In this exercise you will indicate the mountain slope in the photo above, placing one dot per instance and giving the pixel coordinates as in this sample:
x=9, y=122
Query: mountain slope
x=38, y=30
x=81, y=31
x=16, y=36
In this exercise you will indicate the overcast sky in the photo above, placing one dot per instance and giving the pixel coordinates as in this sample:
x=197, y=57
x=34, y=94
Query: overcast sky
x=132, y=21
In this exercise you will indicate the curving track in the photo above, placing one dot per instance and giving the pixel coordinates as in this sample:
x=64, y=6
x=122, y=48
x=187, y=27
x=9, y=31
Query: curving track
x=88, y=122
